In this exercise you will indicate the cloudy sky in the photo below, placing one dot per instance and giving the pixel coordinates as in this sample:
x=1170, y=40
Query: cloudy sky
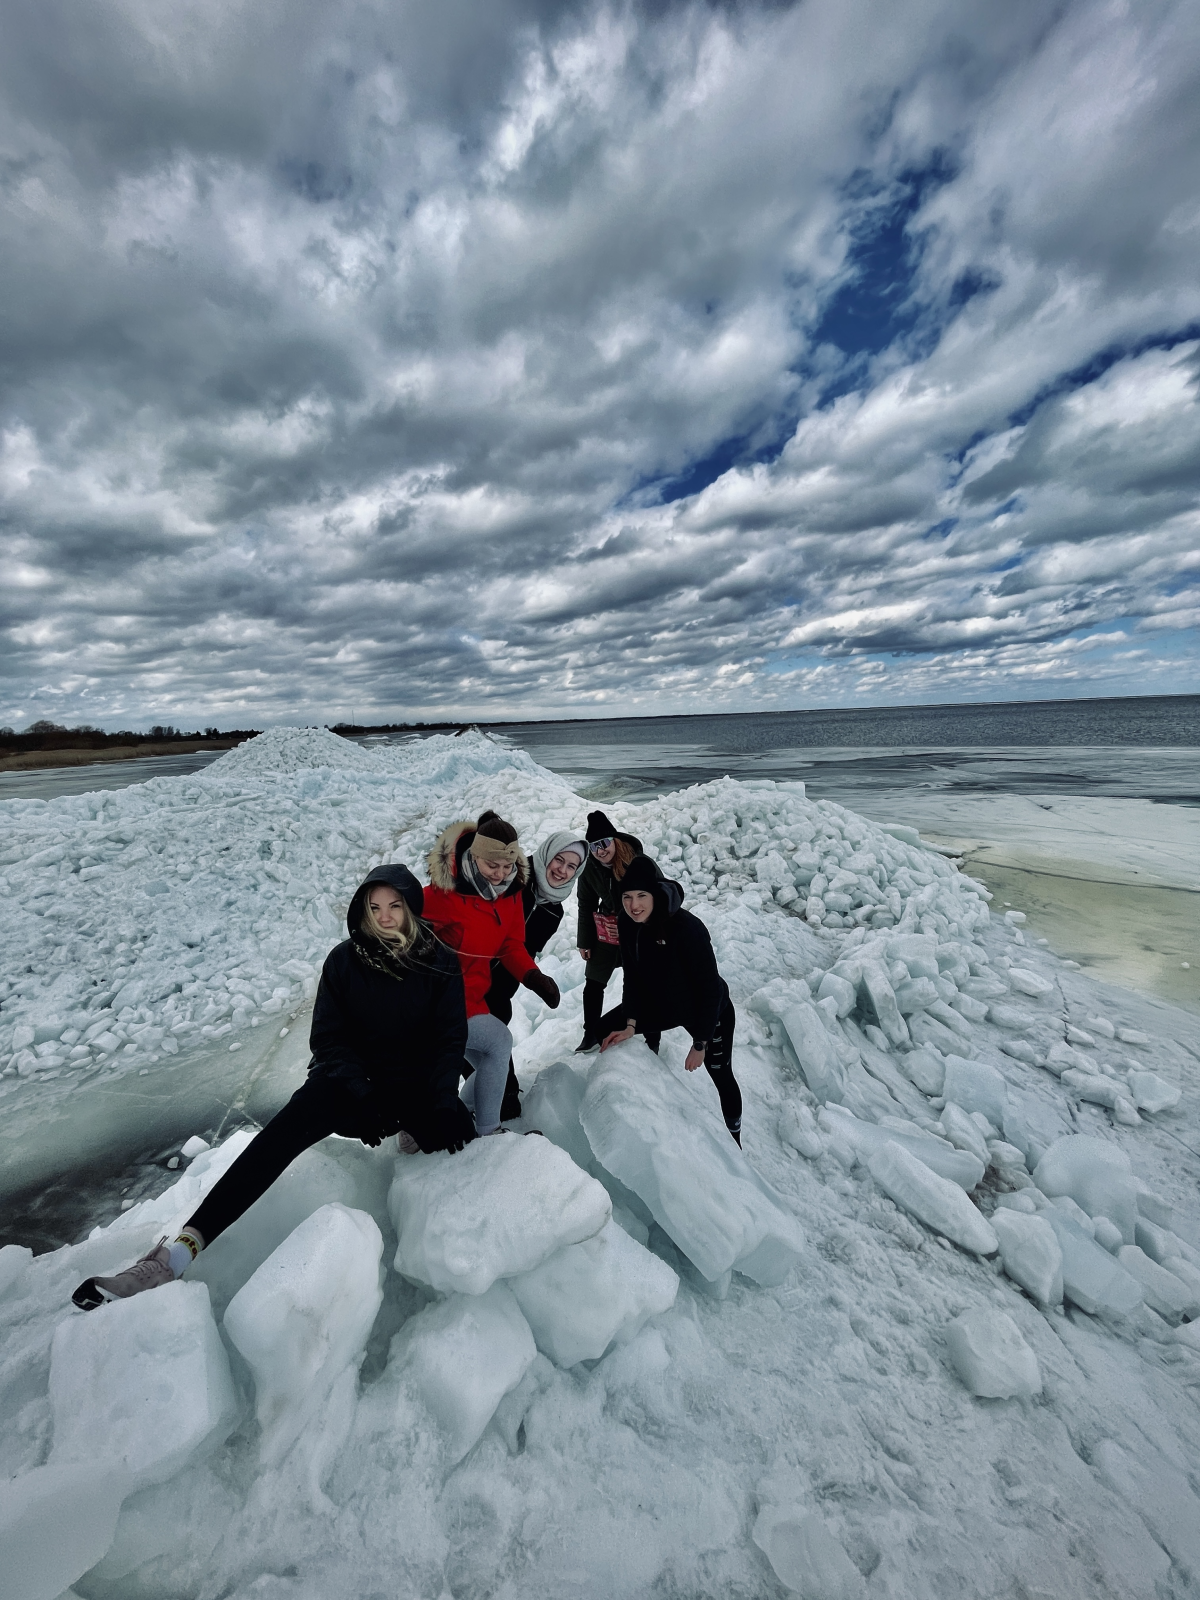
x=420, y=358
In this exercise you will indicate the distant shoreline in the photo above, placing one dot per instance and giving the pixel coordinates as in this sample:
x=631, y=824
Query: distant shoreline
x=37, y=760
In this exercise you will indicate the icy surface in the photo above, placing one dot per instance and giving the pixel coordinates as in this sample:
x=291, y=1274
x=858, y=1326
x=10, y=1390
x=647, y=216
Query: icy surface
x=143, y=1383
x=641, y=1471
x=499, y=1207
x=461, y=1357
x=991, y=1357
x=805, y=1556
x=660, y=1132
x=302, y=1320
x=589, y=1294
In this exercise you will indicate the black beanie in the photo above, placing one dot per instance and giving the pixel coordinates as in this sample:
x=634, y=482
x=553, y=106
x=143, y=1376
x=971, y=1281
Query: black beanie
x=641, y=873
x=599, y=827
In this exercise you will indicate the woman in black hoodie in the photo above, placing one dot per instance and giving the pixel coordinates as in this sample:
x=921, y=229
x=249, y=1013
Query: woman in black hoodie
x=597, y=937
x=389, y=1028
x=671, y=981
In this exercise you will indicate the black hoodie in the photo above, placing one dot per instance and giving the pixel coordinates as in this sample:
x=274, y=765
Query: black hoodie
x=402, y=1038
x=671, y=977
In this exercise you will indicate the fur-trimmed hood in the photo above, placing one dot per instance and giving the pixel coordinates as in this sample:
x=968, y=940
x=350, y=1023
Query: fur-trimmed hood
x=443, y=860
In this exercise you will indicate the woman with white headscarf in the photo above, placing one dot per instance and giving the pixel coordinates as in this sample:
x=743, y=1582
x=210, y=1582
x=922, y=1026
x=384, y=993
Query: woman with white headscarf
x=553, y=868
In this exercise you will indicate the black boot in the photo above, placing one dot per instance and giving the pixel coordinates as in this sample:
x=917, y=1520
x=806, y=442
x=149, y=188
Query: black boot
x=593, y=1005
x=510, y=1106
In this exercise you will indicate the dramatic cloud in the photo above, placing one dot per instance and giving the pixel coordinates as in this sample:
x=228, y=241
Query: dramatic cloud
x=525, y=358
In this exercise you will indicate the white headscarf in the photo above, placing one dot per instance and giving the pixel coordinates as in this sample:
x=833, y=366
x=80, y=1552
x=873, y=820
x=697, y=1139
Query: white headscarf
x=543, y=890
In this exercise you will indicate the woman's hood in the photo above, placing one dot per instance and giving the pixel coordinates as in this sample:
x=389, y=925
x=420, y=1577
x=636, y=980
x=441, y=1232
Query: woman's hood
x=545, y=853
x=443, y=859
x=398, y=877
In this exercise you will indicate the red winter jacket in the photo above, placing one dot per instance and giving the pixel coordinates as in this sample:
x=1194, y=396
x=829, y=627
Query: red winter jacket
x=480, y=931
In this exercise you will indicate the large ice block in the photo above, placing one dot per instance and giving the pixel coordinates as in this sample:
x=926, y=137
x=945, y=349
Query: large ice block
x=56, y=1522
x=935, y=1201
x=960, y=1167
x=551, y=1105
x=589, y=1294
x=975, y=1086
x=1095, y=1173
x=1031, y=1253
x=499, y=1207
x=302, y=1320
x=141, y=1383
x=1092, y=1280
x=661, y=1134
x=462, y=1356
x=991, y=1357
x=816, y=1051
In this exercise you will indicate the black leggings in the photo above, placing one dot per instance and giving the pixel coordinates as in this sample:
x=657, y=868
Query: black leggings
x=718, y=1057
x=320, y=1106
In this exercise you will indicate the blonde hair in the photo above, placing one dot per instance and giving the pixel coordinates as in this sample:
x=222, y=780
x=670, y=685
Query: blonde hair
x=401, y=938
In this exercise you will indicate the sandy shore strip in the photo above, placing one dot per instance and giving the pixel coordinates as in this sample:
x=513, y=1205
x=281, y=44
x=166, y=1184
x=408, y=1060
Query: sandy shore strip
x=38, y=760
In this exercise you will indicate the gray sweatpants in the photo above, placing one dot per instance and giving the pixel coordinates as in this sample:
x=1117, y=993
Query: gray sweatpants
x=489, y=1045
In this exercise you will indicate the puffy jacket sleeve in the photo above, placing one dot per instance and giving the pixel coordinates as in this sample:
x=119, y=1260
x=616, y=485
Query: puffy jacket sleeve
x=706, y=989
x=512, y=953
x=448, y=1030
x=331, y=1038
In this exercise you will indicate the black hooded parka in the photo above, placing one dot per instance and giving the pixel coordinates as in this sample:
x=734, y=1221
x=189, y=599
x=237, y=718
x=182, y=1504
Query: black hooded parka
x=671, y=977
x=399, y=1038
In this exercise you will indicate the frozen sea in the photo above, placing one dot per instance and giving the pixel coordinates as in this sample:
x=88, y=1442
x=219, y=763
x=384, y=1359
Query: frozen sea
x=932, y=1333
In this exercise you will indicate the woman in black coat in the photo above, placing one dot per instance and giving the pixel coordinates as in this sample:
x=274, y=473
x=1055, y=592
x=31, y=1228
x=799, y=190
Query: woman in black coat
x=597, y=936
x=389, y=1027
x=671, y=981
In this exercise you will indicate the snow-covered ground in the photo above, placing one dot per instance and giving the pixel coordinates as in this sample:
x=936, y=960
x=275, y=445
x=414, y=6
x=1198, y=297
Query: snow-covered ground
x=923, y=1339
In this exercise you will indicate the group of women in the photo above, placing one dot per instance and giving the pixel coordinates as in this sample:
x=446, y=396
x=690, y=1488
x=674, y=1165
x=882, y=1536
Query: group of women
x=419, y=997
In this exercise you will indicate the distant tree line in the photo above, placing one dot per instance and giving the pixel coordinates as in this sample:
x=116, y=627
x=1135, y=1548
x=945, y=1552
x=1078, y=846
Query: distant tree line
x=45, y=735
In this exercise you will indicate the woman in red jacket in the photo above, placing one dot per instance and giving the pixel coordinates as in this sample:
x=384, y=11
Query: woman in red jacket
x=476, y=874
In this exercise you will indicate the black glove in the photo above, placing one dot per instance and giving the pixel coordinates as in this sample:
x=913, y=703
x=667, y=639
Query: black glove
x=447, y=1128
x=375, y=1123
x=545, y=988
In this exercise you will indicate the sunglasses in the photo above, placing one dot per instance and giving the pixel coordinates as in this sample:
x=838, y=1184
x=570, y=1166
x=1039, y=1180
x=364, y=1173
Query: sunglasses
x=600, y=844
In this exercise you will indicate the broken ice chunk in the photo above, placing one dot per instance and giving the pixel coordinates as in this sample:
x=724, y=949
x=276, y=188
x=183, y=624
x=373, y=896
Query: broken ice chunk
x=935, y=1201
x=1151, y=1093
x=975, y=1086
x=962, y=1133
x=551, y=1104
x=662, y=1136
x=843, y=994
x=499, y=1207
x=461, y=1356
x=960, y=1167
x=991, y=1357
x=1096, y=1175
x=143, y=1383
x=1162, y=1290
x=878, y=1000
x=1092, y=1279
x=56, y=1523
x=1030, y=1252
x=798, y=1128
x=590, y=1294
x=302, y=1320
x=925, y=1068
x=815, y=1051
x=805, y=1556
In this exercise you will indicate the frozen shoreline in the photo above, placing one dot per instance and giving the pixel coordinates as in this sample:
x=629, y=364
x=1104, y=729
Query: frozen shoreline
x=827, y=1392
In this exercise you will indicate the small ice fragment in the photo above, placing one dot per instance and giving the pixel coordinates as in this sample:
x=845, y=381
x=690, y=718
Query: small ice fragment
x=878, y=1001
x=991, y=1357
x=14, y=1260
x=1031, y=983
x=195, y=1146
x=172, y=1163
x=1096, y=1175
x=960, y=1167
x=842, y=992
x=1004, y=1156
x=1132, y=1036
x=925, y=1068
x=798, y=1128
x=462, y=1355
x=1030, y=1251
x=1107, y=1234
x=1102, y=1026
x=805, y=1556
x=935, y=1201
x=1078, y=1036
x=1163, y=1291
x=975, y=1086
x=283, y=1032
x=588, y=1295
x=1014, y=918
x=499, y=1207
x=143, y=1383
x=302, y=1320
x=1152, y=1206
x=56, y=1523
x=962, y=1132
x=1151, y=1093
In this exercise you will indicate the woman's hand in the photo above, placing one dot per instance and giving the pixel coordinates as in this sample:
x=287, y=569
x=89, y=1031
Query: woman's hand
x=586, y=954
x=695, y=1058
x=543, y=986
x=619, y=1037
